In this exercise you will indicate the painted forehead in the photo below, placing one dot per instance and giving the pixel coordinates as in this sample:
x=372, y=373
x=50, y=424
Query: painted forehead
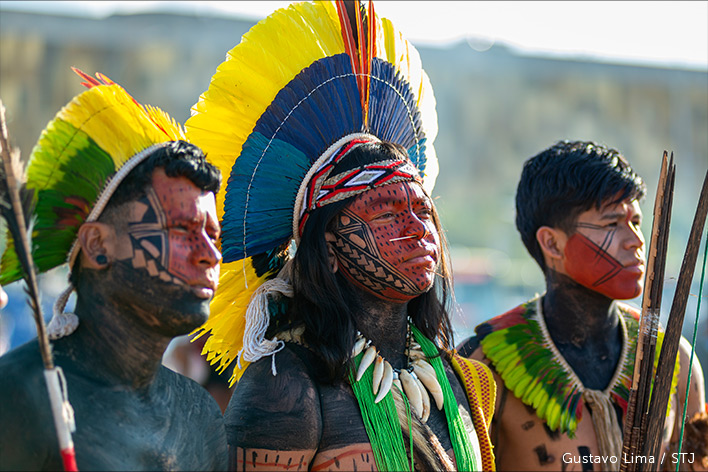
x=391, y=194
x=180, y=198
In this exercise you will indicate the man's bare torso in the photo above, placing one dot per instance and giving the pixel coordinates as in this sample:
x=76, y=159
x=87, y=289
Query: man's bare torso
x=524, y=442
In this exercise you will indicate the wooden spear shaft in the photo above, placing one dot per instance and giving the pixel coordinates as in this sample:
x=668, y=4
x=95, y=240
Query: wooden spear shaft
x=646, y=342
x=13, y=186
x=672, y=336
x=54, y=378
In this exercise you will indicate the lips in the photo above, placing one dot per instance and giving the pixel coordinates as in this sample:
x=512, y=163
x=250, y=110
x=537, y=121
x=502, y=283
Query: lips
x=202, y=292
x=203, y=288
x=422, y=255
x=636, y=267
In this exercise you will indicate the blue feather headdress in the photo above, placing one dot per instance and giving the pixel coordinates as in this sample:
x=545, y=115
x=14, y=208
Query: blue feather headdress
x=302, y=83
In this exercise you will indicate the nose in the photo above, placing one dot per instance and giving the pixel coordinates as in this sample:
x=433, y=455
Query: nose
x=416, y=227
x=205, y=252
x=635, y=237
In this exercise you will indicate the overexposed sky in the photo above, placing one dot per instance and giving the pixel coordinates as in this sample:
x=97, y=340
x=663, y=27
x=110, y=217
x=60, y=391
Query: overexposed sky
x=665, y=33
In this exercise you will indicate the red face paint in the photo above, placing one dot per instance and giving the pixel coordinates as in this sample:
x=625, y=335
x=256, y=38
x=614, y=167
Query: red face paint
x=606, y=251
x=594, y=268
x=386, y=242
x=174, y=233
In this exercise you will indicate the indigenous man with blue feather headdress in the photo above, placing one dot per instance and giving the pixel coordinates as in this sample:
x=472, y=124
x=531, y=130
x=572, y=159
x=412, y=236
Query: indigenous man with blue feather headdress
x=335, y=287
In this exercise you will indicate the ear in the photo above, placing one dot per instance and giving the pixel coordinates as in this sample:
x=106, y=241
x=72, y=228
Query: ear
x=552, y=242
x=97, y=241
x=333, y=263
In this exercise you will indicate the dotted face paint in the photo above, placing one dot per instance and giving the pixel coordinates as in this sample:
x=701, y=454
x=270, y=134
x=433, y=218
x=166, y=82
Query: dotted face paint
x=386, y=242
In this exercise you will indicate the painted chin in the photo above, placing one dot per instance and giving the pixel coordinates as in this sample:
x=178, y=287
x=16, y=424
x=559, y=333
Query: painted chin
x=624, y=286
x=628, y=283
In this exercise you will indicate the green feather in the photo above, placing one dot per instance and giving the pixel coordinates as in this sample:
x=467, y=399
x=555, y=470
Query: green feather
x=66, y=170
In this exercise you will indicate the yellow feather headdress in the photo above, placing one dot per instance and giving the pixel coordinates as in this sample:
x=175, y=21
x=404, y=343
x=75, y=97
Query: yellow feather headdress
x=81, y=157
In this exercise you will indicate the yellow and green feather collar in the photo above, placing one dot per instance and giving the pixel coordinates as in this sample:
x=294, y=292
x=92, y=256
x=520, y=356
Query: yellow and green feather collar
x=531, y=367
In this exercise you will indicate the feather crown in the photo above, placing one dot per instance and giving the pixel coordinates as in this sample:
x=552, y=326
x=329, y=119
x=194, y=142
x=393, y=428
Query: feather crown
x=81, y=157
x=302, y=83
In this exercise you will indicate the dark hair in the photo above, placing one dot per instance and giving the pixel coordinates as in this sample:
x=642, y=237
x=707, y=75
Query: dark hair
x=178, y=159
x=326, y=303
x=567, y=179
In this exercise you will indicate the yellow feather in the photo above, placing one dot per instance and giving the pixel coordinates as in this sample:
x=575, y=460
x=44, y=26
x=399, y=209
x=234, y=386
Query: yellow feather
x=227, y=321
x=268, y=57
x=111, y=117
x=166, y=123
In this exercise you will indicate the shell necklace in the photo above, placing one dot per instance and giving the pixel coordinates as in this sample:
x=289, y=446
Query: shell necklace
x=418, y=380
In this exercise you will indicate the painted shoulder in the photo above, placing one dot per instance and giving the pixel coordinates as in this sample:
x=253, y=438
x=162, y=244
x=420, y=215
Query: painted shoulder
x=275, y=412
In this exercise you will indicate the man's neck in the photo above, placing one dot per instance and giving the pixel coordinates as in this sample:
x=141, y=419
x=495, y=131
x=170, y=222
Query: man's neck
x=110, y=345
x=386, y=325
x=575, y=314
x=584, y=325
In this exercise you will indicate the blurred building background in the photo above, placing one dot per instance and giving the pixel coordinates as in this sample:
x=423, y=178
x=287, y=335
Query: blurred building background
x=496, y=108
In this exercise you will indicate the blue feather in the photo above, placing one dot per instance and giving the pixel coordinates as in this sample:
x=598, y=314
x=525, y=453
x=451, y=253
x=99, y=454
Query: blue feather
x=317, y=107
x=393, y=113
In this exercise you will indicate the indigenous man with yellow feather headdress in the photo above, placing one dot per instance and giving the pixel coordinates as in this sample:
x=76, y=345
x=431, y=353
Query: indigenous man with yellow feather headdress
x=130, y=205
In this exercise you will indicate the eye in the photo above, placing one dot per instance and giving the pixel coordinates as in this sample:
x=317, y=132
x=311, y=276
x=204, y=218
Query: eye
x=181, y=228
x=385, y=215
x=425, y=213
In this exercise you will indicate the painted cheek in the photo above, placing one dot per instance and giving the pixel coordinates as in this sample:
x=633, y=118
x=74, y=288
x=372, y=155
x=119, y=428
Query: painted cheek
x=592, y=267
x=364, y=266
x=390, y=251
x=179, y=247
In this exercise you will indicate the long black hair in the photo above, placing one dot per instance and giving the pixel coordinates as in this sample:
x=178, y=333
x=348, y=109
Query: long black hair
x=326, y=303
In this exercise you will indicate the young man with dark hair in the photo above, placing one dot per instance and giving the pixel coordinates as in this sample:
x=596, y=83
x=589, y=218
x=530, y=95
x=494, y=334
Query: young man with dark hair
x=563, y=361
x=143, y=237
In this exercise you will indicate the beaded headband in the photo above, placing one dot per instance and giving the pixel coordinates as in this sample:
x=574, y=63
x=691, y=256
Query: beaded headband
x=322, y=188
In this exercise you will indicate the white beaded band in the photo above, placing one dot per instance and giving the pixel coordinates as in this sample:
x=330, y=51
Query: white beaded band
x=322, y=161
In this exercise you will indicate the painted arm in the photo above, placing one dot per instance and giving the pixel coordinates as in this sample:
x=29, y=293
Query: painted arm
x=274, y=422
